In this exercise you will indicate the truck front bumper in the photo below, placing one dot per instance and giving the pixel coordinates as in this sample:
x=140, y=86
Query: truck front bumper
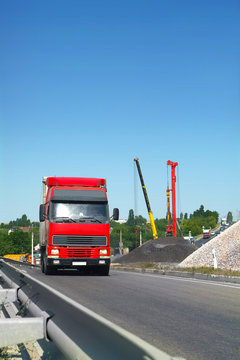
x=76, y=263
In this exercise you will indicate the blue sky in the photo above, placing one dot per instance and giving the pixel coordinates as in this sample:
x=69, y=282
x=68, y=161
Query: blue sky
x=86, y=86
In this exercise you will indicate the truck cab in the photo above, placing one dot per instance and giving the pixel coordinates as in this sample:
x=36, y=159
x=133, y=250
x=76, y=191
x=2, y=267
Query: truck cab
x=74, y=231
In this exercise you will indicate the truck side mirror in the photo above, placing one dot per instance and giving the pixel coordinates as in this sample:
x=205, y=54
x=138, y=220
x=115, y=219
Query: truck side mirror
x=115, y=214
x=42, y=215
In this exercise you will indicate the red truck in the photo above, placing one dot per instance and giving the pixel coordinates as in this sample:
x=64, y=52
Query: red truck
x=207, y=233
x=74, y=224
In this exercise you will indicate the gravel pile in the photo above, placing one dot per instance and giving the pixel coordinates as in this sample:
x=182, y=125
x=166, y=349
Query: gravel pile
x=227, y=249
x=165, y=249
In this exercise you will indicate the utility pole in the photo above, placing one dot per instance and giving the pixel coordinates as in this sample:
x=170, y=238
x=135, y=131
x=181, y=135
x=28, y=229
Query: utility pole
x=120, y=243
x=136, y=231
x=32, y=244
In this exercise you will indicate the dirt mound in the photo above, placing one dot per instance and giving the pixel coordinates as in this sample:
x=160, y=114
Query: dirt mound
x=163, y=249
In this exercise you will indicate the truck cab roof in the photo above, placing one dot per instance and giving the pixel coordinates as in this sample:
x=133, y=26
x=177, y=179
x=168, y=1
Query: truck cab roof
x=75, y=181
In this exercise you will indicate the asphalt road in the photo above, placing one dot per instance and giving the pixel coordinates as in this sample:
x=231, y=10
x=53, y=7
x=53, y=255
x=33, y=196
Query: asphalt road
x=195, y=319
x=202, y=241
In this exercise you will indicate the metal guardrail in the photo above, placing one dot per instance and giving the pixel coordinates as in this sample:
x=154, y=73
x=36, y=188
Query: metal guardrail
x=23, y=263
x=78, y=332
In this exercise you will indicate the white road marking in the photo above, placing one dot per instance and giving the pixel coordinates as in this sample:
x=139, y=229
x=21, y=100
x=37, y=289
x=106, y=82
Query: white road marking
x=167, y=277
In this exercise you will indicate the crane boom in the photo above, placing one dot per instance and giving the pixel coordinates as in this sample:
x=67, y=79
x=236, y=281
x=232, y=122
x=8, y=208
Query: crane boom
x=154, y=230
x=172, y=228
x=168, y=206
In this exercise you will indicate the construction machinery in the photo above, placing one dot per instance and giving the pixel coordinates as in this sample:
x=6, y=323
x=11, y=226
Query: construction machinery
x=154, y=230
x=172, y=228
x=168, y=206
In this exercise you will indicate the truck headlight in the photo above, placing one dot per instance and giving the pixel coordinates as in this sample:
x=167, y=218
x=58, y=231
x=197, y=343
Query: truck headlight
x=55, y=251
x=103, y=251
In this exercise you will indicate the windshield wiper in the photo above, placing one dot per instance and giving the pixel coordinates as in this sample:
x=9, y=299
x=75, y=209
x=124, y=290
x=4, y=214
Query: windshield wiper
x=81, y=219
x=90, y=218
x=64, y=219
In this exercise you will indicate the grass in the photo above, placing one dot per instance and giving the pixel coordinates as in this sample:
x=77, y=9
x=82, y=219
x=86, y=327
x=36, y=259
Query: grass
x=211, y=271
x=3, y=231
x=193, y=270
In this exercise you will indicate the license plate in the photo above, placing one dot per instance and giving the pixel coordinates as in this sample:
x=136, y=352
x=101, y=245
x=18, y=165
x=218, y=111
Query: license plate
x=79, y=263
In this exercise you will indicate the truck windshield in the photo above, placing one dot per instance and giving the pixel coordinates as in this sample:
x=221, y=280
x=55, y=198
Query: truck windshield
x=78, y=212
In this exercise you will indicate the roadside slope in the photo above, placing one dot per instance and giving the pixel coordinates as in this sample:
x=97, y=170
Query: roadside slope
x=227, y=249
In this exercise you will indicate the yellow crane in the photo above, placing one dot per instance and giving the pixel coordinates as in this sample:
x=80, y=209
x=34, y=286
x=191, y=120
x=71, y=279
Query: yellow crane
x=154, y=230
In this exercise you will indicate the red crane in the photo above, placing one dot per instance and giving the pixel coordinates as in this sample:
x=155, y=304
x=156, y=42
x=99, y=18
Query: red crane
x=172, y=228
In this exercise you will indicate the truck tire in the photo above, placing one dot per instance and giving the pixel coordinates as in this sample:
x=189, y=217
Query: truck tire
x=47, y=270
x=43, y=250
x=42, y=264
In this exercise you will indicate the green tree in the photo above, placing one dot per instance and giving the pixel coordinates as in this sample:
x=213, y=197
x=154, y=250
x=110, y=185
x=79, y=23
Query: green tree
x=128, y=236
x=199, y=218
x=161, y=225
x=191, y=225
x=23, y=221
x=129, y=231
x=6, y=245
x=140, y=220
x=181, y=217
x=131, y=220
x=199, y=212
x=229, y=217
x=21, y=242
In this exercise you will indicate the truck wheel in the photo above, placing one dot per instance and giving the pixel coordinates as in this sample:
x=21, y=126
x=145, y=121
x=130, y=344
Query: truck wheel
x=103, y=270
x=47, y=269
x=42, y=264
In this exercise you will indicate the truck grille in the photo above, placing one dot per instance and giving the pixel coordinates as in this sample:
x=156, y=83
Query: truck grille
x=80, y=253
x=77, y=240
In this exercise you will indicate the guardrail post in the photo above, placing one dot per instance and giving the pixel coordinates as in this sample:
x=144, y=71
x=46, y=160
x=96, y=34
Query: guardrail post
x=21, y=330
x=8, y=295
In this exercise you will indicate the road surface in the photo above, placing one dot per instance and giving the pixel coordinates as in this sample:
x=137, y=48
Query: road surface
x=195, y=319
